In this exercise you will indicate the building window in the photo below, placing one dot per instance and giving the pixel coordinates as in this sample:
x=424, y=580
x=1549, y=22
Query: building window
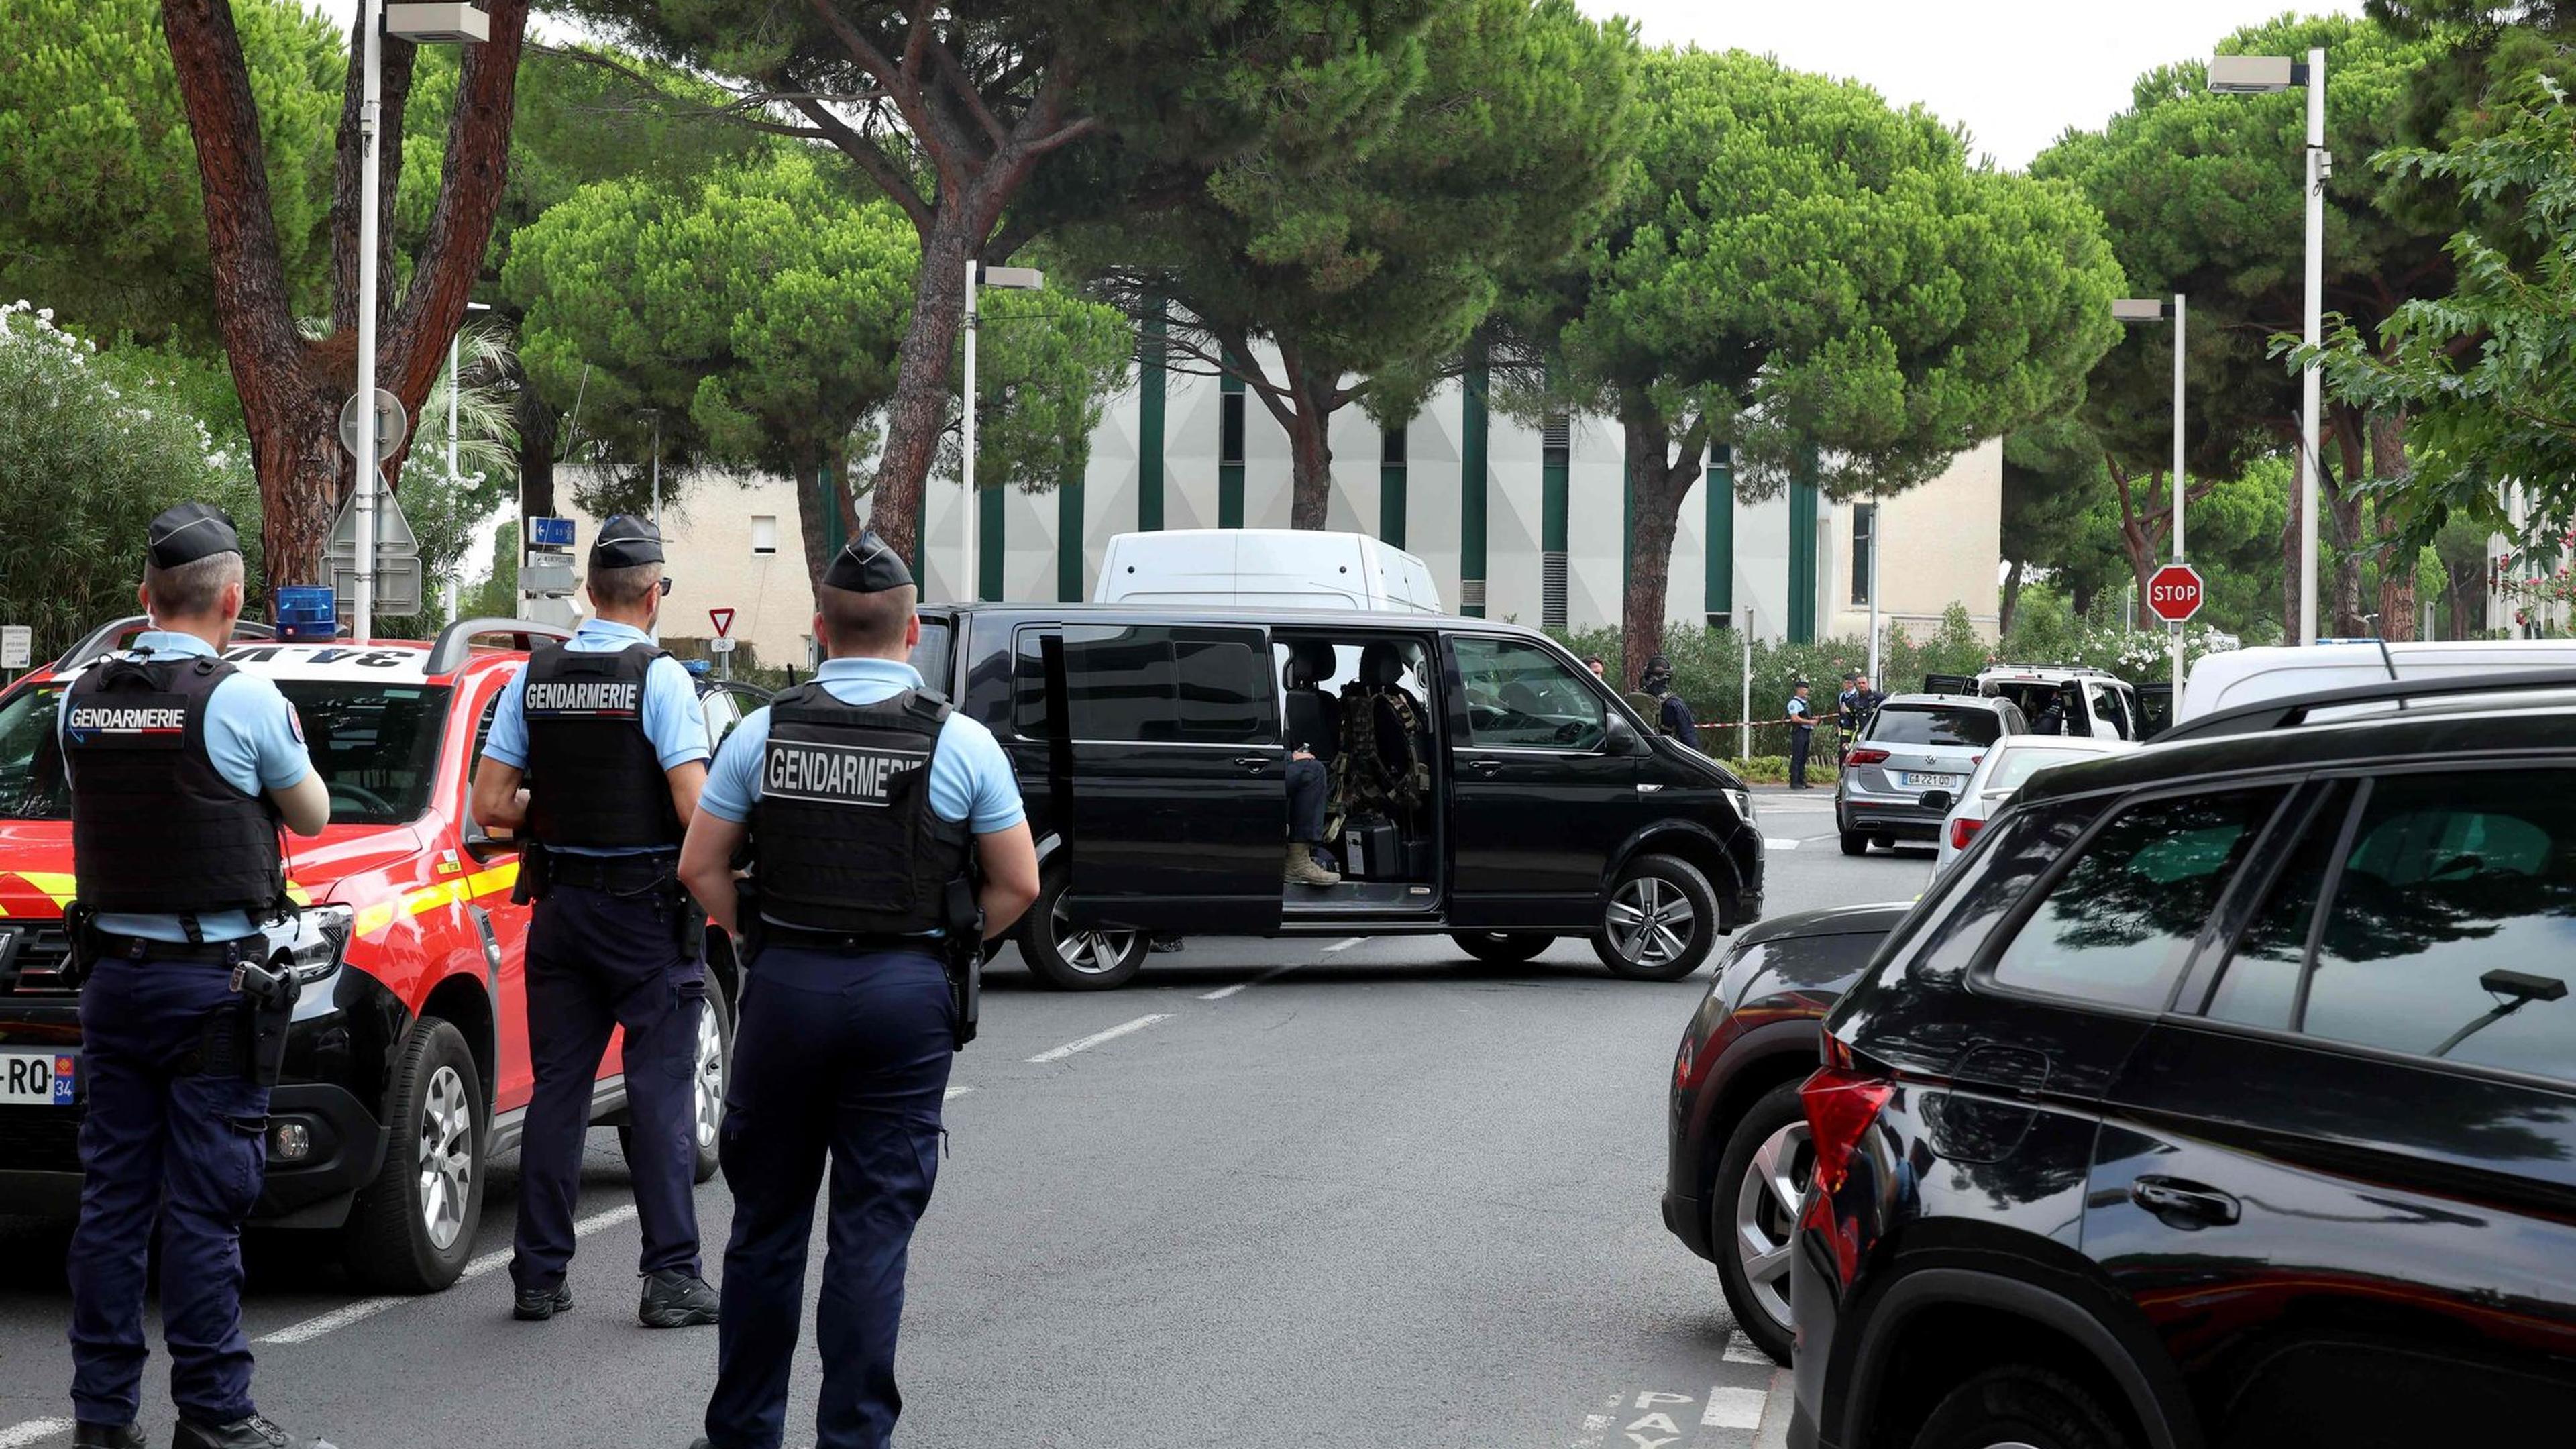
x=1391, y=446
x=1229, y=446
x=1864, y=549
x=764, y=533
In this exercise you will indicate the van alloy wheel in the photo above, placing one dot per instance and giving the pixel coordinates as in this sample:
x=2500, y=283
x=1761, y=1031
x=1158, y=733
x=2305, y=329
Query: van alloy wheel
x=1650, y=922
x=1091, y=952
x=708, y=1075
x=446, y=1157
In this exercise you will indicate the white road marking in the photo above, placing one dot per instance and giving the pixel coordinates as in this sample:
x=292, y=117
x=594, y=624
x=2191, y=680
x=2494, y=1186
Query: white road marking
x=366, y=1308
x=1338, y=947
x=1057, y=1054
x=34, y=1431
x=1733, y=1408
x=1595, y=1427
x=953, y=1093
x=1740, y=1349
x=1774, y=842
x=1273, y=974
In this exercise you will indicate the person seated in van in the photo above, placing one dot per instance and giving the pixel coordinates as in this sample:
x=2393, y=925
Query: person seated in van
x=2059, y=718
x=1314, y=731
x=1672, y=712
x=1385, y=745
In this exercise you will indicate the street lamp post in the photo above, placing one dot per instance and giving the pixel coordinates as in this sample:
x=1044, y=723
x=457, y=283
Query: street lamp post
x=2259, y=75
x=1013, y=279
x=2149, y=309
x=420, y=24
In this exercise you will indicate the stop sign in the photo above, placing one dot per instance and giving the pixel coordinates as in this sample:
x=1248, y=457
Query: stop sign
x=2174, y=593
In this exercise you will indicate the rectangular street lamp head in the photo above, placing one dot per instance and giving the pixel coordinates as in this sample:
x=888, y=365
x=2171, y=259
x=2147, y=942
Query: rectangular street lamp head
x=449, y=24
x=2141, y=309
x=1014, y=279
x=2248, y=75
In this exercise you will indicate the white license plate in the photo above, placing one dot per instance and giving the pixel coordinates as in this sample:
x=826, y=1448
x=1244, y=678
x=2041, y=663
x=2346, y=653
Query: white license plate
x=1917, y=781
x=39, y=1078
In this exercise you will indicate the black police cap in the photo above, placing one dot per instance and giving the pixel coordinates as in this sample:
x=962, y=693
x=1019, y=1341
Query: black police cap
x=188, y=532
x=867, y=565
x=624, y=542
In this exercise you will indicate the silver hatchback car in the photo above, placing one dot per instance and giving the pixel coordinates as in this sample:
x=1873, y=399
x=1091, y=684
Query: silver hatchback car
x=1915, y=743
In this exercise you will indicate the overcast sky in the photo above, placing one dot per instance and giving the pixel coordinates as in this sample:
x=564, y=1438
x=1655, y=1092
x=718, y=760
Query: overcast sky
x=2016, y=73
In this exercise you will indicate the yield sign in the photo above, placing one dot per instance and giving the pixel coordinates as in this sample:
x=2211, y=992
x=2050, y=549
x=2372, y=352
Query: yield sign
x=2175, y=593
x=723, y=619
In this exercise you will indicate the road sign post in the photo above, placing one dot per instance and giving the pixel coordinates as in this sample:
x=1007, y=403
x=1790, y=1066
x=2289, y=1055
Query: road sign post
x=2175, y=593
x=17, y=647
x=722, y=648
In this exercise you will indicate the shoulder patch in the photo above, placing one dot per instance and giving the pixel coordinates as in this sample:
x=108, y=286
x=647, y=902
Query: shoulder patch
x=294, y=722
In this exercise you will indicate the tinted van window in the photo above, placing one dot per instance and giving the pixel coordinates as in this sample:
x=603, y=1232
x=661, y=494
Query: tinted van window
x=1927, y=724
x=1030, y=718
x=1178, y=684
x=2116, y=926
x=2452, y=932
x=1520, y=696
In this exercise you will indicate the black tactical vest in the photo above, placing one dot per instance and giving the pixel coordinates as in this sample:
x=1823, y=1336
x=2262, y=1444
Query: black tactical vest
x=156, y=828
x=843, y=838
x=594, y=778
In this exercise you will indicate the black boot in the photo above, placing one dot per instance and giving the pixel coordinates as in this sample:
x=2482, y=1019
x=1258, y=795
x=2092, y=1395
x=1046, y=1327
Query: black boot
x=673, y=1299
x=536, y=1305
x=251, y=1433
x=106, y=1436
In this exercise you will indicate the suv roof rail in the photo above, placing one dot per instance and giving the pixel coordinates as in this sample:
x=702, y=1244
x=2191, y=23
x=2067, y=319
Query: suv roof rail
x=2089, y=669
x=2291, y=711
x=102, y=639
x=456, y=639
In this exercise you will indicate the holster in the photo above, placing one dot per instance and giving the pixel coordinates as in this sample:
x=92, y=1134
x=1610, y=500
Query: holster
x=536, y=877
x=964, y=955
x=80, y=927
x=692, y=924
x=268, y=1007
x=748, y=935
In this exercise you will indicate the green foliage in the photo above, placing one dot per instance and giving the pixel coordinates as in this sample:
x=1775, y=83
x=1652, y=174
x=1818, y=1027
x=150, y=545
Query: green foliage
x=1798, y=265
x=2483, y=373
x=102, y=213
x=497, y=597
x=1046, y=364
x=91, y=446
x=447, y=513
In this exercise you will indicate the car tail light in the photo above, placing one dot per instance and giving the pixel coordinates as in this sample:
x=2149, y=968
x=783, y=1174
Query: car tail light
x=1841, y=1103
x=1963, y=830
x=1866, y=757
x=1682, y=1061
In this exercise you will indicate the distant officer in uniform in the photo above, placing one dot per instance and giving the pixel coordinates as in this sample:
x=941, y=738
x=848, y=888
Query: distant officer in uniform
x=1673, y=714
x=866, y=802
x=606, y=733
x=1802, y=733
x=182, y=769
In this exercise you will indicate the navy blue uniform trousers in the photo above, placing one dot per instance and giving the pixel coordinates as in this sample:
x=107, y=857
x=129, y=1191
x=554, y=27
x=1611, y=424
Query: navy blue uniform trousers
x=1308, y=784
x=162, y=1146
x=598, y=960
x=841, y=1059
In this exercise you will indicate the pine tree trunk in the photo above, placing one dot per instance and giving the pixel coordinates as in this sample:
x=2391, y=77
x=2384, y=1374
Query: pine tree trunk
x=2290, y=566
x=2011, y=600
x=917, y=416
x=539, y=428
x=1309, y=422
x=1660, y=486
x=2397, y=602
x=2343, y=510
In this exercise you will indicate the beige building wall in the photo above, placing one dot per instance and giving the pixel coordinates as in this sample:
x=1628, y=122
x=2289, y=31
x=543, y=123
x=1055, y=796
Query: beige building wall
x=1944, y=544
x=713, y=523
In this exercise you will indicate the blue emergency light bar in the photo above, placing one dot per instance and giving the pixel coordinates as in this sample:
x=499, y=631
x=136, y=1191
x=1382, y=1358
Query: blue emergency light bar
x=307, y=612
x=698, y=667
x=550, y=533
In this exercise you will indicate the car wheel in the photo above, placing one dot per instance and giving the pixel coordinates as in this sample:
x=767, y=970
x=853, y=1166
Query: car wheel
x=2019, y=1407
x=1502, y=948
x=1659, y=922
x=412, y=1229
x=710, y=1064
x=1071, y=957
x=1753, y=1207
x=1855, y=843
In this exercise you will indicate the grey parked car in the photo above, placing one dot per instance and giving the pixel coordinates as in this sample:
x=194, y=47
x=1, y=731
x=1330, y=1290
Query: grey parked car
x=1915, y=743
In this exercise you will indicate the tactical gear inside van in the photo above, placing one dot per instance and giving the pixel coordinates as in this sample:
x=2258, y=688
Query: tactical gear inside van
x=1483, y=785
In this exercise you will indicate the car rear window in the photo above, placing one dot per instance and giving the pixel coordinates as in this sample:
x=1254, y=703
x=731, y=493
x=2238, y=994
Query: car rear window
x=1934, y=724
x=374, y=745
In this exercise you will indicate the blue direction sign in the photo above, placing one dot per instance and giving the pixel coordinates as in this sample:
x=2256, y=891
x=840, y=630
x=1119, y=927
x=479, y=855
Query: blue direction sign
x=550, y=533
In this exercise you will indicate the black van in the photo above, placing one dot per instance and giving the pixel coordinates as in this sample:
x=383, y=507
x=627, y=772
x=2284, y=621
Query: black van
x=1152, y=754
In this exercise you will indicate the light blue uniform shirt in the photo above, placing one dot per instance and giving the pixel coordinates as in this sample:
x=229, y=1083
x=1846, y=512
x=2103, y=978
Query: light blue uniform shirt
x=672, y=718
x=970, y=778
x=255, y=743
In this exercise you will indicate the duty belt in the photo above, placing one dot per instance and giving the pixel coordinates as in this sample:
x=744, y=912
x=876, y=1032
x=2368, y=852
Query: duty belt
x=777, y=935
x=214, y=953
x=621, y=874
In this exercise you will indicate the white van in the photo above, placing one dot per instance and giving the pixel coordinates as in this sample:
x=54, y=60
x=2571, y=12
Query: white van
x=1275, y=568
x=2251, y=676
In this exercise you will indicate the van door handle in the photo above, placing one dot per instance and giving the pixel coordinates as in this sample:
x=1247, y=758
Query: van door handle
x=1253, y=762
x=1483, y=764
x=2183, y=1204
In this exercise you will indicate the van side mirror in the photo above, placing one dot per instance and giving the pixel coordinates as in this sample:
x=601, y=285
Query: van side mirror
x=1622, y=737
x=1940, y=800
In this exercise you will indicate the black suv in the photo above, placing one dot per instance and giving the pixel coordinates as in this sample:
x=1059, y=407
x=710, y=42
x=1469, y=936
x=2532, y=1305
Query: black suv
x=1152, y=753
x=2224, y=1093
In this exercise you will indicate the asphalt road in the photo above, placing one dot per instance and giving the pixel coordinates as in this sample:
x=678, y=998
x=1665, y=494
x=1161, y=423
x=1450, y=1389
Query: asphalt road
x=1316, y=1194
